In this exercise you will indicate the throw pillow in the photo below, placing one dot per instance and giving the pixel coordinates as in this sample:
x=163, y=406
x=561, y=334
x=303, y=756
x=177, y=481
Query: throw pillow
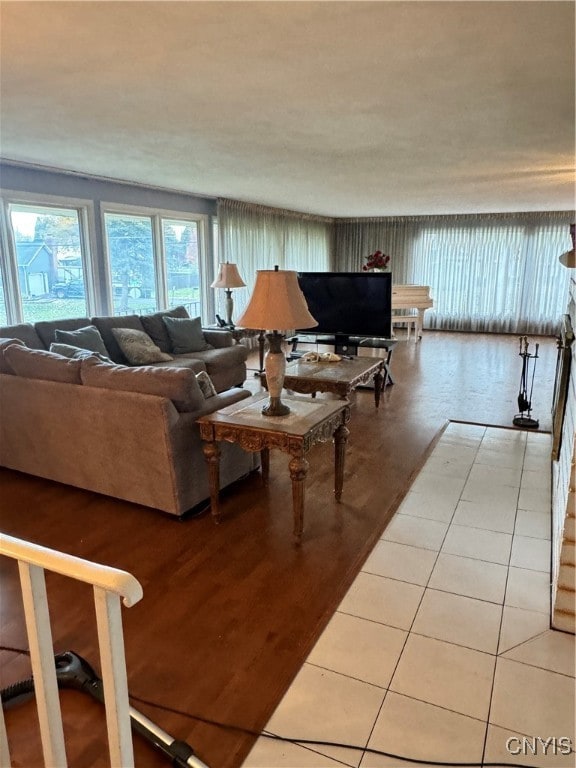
x=39, y=364
x=176, y=384
x=86, y=338
x=205, y=384
x=138, y=347
x=155, y=328
x=76, y=353
x=186, y=334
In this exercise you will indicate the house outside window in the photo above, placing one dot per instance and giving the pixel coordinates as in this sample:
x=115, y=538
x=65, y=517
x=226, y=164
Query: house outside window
x=48, y=247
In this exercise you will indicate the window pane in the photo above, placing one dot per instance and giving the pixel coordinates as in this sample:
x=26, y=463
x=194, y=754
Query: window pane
x=131, y=259
x=181, y=251
x=3, y=314
x=50, y=265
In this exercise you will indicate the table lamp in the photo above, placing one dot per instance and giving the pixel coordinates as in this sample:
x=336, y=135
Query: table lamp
x=276, y=303
x=228, y=277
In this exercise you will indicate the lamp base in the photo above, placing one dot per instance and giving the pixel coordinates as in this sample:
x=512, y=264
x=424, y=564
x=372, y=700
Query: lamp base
x=275, y=366
x=275, y=407
x=229, y=307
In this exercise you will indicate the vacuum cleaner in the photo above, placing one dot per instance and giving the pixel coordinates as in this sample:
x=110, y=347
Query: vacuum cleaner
x=72, y=671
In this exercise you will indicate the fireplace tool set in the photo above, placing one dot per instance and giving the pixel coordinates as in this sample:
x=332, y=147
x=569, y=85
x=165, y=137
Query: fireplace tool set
x=524, y=419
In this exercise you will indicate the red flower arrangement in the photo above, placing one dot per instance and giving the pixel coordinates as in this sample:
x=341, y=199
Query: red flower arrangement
x=377, y=260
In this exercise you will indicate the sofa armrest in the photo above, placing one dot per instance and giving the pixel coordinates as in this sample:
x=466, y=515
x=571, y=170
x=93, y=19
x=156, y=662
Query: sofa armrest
x=218, y=337
x=221, y=400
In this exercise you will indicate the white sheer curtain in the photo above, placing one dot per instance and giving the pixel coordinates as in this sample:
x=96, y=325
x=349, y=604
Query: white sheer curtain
x=497, y=273
x=256, y=237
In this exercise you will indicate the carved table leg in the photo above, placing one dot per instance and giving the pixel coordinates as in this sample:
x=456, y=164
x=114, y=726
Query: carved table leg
x=340, y=439
x=212, y=455
x=298, y=470
x=265, y=462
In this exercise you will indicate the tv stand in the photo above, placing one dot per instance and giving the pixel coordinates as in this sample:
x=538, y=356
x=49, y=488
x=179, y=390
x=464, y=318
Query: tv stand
x=345, y=345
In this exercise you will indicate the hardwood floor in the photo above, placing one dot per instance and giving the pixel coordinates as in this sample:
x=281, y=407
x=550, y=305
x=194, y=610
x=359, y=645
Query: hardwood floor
x=230, y=612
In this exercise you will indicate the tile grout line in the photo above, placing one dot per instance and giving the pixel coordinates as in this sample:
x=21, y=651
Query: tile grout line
x=490, y=701
x=409, y=632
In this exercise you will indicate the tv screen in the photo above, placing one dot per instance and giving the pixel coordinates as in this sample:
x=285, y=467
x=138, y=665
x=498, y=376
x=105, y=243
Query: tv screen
x=349, y=303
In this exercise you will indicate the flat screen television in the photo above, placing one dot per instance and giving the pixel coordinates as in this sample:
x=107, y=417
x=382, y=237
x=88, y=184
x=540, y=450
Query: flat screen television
x=349, y=303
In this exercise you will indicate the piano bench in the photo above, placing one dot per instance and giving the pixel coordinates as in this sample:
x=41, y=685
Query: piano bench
x=411, y=323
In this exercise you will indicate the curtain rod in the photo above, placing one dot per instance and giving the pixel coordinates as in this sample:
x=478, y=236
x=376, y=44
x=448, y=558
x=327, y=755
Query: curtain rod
x=266, y=210
x=456, y=217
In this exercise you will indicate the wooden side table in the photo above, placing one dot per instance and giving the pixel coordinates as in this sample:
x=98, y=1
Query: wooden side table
x=308, y=423
x=247, y=333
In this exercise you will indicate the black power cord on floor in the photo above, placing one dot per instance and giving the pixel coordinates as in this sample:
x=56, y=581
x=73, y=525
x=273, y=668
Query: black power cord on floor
x=15, y=690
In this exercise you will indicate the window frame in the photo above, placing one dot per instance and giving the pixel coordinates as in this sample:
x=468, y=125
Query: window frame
x=157, y=216
x=87, y=232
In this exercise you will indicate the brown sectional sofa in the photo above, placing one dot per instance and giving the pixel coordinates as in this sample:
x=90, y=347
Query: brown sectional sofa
x=127, y=432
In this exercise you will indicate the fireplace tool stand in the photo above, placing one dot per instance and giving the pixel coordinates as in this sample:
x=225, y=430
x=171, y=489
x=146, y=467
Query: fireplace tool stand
x=524, y=418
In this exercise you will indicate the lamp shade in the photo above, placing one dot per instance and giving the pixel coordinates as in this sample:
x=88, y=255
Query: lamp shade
x=228, y=277
x=277, y=303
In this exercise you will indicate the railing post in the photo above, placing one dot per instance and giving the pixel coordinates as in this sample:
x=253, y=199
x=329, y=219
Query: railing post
x=42, y=660
x=4, y=749
x=112, y=661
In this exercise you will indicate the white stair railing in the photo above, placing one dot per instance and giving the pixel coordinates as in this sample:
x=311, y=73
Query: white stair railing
x=109, y=585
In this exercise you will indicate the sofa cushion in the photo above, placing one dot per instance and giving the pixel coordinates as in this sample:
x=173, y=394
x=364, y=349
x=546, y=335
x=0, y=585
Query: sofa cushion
x=206, y=385
x=155, y=328
x=40, y=364
x=138, y=347
x=47, y=328
x=183, y=361
x=26, y=332
x=218, y=337
x=177, y=384
x=4, y=344
x=106, y=324
x=186, y=334
x=86, y=338
x=227, y=357
x=76, y=353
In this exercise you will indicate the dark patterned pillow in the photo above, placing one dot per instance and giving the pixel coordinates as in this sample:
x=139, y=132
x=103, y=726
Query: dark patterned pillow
x=205, y=384
x=138, y=347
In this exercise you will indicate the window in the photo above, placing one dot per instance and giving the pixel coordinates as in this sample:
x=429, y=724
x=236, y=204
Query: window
x=64, y=257
x=153, y=260
x=181, y=244
x=132, y=265
x=50, y=261
x=499, y=278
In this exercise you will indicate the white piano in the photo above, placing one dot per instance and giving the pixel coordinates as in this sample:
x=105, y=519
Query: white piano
x=415, y=298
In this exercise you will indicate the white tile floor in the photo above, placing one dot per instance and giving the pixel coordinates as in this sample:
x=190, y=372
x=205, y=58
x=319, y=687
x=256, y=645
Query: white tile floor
x=442, y=650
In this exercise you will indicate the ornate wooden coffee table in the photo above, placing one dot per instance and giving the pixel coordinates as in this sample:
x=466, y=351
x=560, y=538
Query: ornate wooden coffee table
x=308, y=422
x=339, y=378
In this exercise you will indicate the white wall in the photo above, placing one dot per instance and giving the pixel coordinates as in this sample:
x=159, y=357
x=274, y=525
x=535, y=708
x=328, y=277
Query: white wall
x=564, y=503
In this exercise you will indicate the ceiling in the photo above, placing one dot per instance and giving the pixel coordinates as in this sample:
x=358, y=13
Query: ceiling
x=335, y=108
